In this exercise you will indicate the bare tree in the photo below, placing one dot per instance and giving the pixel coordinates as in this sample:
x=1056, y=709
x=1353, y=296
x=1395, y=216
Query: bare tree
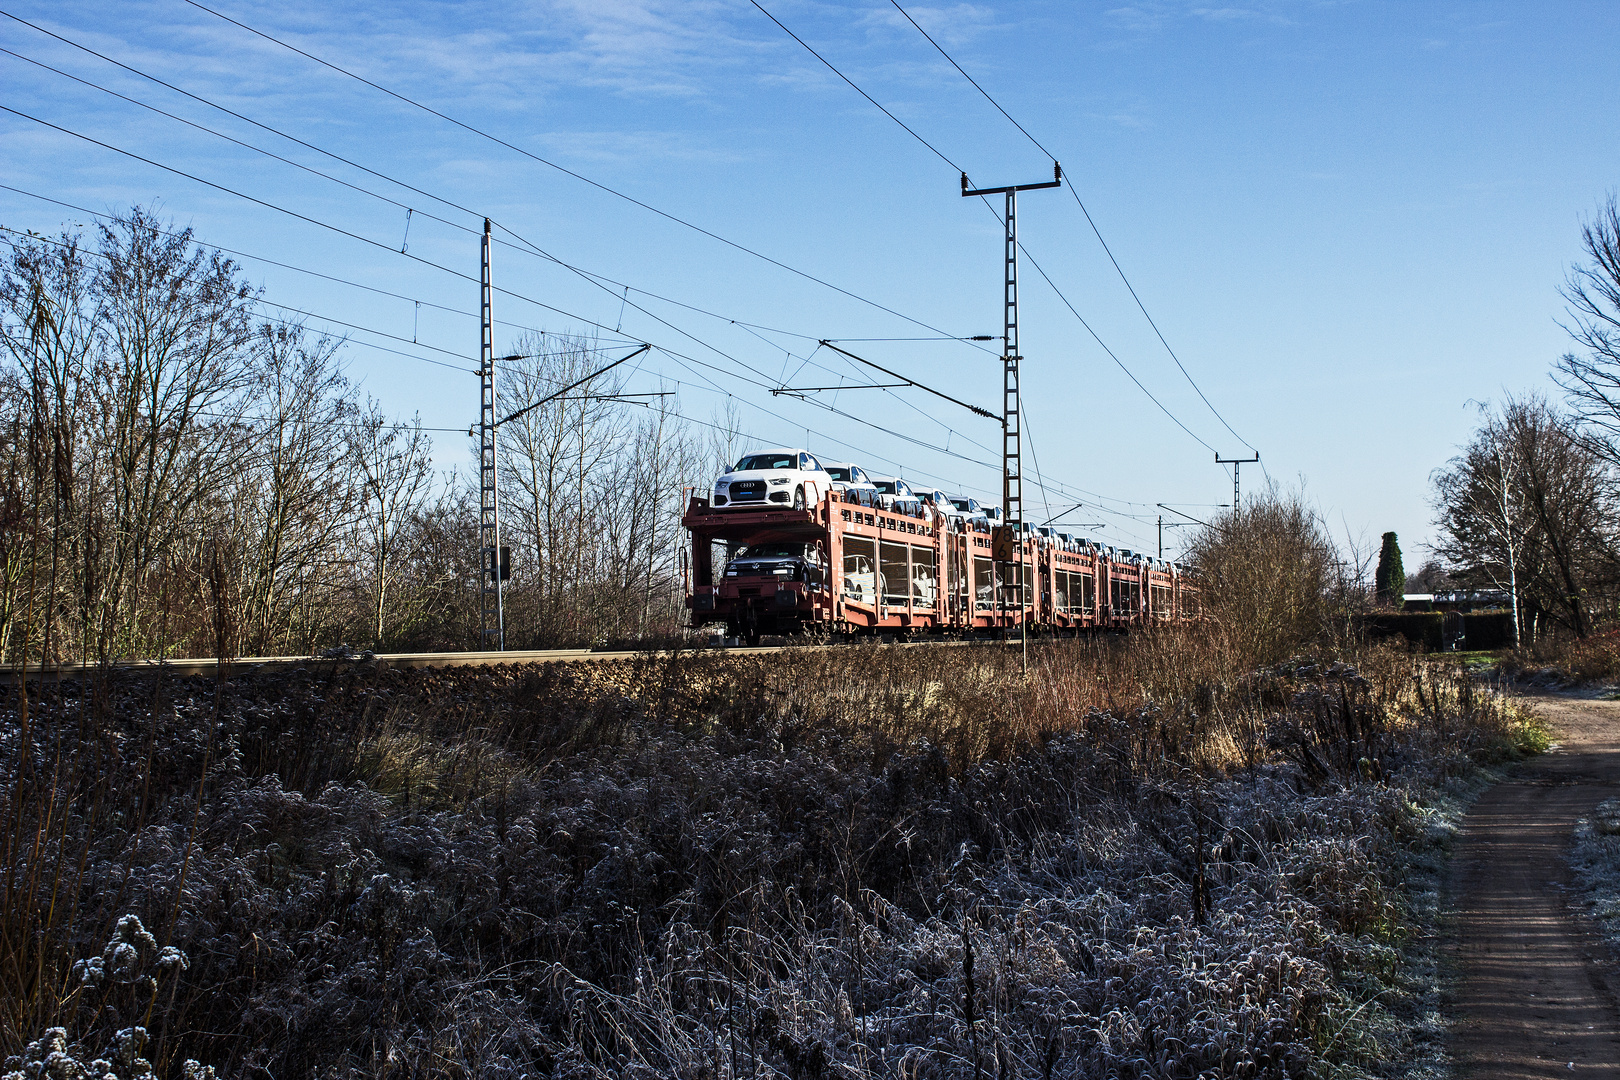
x=1268, y=572
x=395, y=471
x=558, y=478
x=1529, y=507
x=1592, y=381
x=297, y=496
x=172, y=320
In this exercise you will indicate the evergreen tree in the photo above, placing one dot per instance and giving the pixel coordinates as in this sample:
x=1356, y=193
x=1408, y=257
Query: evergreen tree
x=1389, y=580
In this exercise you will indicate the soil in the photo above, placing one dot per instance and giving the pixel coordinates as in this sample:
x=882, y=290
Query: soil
x=1538, y=992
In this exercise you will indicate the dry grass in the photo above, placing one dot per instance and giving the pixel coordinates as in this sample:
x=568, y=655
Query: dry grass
x=1562, y=659
x=1140, y=858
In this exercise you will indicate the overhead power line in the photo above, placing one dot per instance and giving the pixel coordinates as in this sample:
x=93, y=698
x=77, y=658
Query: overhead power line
x=972, y=80
x=278, y=263
x=522, y=247
x=945, y=158
x=261, y=302
x=1095, y=231
x=684, y=359
x=565, y=170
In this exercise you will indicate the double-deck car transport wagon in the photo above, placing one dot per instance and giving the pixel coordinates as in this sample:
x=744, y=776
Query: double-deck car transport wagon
x=809, y=556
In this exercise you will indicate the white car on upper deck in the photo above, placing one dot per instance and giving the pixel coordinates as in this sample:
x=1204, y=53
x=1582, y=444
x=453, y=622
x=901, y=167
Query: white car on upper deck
x=772, y=480
x=851, y=481
x=896, y=496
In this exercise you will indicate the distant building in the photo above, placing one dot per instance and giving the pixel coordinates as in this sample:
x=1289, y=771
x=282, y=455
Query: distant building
x=1459, y=600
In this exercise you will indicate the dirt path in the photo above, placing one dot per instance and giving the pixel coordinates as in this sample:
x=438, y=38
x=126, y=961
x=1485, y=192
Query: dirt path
x=1536, y=993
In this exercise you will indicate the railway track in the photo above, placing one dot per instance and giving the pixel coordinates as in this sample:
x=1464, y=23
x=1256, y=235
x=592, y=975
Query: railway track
x=208, y=665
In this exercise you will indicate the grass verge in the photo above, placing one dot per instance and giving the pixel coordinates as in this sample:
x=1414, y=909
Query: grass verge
x=1140, y=858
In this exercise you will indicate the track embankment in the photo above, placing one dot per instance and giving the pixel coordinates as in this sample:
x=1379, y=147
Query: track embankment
x=1537, y=992
x=209, y=665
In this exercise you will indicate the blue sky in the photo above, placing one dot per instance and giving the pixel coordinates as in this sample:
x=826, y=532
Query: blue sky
x=1350, y=220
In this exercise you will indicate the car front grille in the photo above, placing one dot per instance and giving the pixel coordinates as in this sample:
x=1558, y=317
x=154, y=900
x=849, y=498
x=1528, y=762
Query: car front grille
x=748, y=489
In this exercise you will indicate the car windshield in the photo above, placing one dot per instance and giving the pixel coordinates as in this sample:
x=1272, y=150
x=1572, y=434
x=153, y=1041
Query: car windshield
x=885, y=486
x=838, y=472
x=777, y=550
x=960, y=504
x=760, y=462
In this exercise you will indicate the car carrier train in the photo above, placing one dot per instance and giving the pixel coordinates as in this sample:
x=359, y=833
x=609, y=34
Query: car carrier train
x=805, y=553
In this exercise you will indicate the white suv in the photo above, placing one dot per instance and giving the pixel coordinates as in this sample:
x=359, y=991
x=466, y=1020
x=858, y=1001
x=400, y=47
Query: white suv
x=851, y=482
x=772, y=480
x=895, y=496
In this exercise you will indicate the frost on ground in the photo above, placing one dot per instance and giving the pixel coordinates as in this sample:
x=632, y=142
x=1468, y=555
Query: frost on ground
x=889, y=864
x=1596, y=861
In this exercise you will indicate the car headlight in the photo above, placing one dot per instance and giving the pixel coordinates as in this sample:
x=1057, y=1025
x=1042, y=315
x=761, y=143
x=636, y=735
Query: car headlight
x=780, y=479
x=721, y=485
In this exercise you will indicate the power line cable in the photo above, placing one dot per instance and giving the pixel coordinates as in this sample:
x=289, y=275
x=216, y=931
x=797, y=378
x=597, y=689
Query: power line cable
x=523, y=247
x=943, y=157
x=295, y=214
x=260, y=301
x=566, y=171
x=1095, y=231
x=363, y=239
x=909, y=130
x=975, y=83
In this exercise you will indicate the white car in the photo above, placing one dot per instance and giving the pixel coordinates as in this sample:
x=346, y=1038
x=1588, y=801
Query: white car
x=772, y=480
x=973, y=515
x=942, y=505
x=851, y=482
x=896, y=496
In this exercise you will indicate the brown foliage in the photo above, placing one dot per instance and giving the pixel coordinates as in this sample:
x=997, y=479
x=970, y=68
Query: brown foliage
x=715, y=864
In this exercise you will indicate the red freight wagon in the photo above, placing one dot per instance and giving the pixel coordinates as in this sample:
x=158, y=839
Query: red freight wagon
x=842, y=566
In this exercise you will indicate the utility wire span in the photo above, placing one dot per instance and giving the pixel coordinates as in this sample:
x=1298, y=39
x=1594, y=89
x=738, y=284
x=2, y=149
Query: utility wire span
x=230, y=112
x=261, y=302
x=238, y=142
x=945, y=158
x=568, y=172
x=352, y=235
x=974, y=81
x=1094, y=230
x=526, y=246
x=523, y=246
x=852, y=85
x=100, y=215
x=295, y=214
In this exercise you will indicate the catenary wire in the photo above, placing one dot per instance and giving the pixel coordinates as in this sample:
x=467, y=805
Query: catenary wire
x=1087, y=213
x=261, y=302
x=584, y=274
x=352, y=235
x=568, y=172
x=943, y=157
x=354, y=164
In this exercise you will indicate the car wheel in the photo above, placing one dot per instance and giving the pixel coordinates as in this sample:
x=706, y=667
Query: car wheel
x=798, y=498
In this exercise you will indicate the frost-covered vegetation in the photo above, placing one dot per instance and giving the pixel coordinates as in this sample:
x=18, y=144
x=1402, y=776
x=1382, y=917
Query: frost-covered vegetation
x=841, y=862
x=1596, y=861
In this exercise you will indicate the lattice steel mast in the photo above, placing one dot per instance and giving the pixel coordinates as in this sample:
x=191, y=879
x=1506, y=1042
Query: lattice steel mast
x=491, y=606
x=1012, y=450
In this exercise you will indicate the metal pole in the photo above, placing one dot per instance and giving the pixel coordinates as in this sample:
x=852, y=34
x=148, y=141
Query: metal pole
x=1237, y=464
x=1012, y=472
x=1012, y=481
x=491, y=607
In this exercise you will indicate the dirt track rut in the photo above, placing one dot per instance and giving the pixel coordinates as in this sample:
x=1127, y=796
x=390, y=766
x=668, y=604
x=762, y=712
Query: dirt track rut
x=1537, y=993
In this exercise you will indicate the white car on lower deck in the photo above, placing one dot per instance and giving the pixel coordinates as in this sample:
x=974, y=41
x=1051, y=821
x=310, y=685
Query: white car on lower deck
x=772, y=480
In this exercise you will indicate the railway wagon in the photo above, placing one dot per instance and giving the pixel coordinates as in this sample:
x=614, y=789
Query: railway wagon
x=842, y=565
